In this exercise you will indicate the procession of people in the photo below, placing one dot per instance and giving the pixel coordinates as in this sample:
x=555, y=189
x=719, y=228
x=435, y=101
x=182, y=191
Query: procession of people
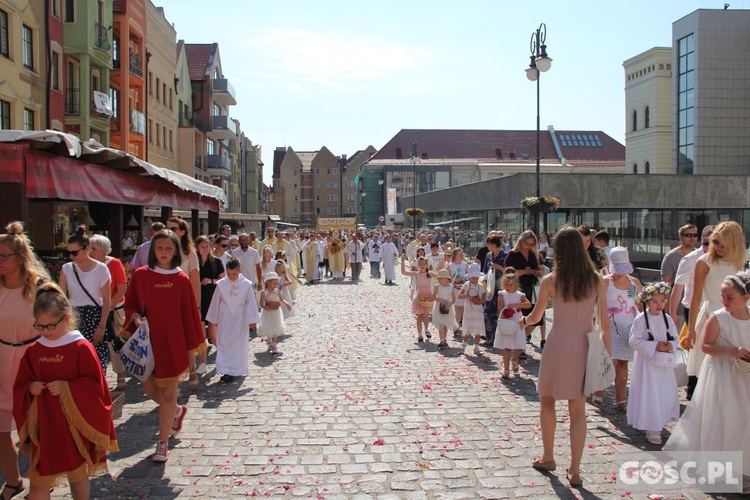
x=191, y=295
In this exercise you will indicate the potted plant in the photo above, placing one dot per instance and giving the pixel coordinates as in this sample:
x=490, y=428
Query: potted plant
x=414, y=212
x=542, y=204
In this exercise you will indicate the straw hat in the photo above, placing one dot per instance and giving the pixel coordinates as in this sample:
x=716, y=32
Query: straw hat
x=442, y=274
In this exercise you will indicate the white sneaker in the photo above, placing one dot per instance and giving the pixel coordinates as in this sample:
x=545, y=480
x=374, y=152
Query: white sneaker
x=653, y=437
x=202, y=369
x=162, y=452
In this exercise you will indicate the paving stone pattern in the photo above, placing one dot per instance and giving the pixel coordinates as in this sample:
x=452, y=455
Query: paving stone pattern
x=355, y=408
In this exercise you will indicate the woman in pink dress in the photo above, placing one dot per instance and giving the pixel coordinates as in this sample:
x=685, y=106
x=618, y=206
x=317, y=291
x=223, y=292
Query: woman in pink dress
x=20, y=274
x=575, y=288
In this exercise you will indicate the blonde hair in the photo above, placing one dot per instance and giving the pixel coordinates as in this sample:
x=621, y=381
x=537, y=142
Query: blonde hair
x=51, y=300
x=32, y=269
x=510, y=275
x=731, y=237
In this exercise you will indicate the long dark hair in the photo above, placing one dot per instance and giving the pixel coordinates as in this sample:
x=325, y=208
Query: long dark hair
x=204, y=239
x=186, y=242
x=176, y=258
x=575, y=276
x=593, y=250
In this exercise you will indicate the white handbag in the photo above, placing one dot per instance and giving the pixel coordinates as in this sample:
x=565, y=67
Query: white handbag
x=506, y=327
x=489, y=279
x=600, y=371
x=680, y=371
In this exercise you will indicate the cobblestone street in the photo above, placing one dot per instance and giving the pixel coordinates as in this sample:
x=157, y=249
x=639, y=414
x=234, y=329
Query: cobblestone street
x=355, y=408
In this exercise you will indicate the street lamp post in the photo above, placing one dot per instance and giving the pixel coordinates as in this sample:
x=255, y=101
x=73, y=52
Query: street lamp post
x=414, y=156
x=540, y=62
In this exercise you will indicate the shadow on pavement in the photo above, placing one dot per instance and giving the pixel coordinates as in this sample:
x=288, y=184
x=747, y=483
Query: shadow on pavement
x=136, y=482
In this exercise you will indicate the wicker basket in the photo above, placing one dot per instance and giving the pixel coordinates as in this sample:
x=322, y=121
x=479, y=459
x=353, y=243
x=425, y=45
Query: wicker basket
x=741, y=366
x=118, y=400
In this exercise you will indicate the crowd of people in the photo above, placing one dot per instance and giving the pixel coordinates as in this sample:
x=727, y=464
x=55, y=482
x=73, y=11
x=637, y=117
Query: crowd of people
x=60, y=338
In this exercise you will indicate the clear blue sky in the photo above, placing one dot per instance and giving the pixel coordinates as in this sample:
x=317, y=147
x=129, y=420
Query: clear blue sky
x=349, y=74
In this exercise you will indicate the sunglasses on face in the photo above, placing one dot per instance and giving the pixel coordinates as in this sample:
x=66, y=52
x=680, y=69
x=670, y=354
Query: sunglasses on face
x=223, y=245
x=73, y=253
x=706, y=243
x=658, y=302
x=690, y=235
x=50, y=326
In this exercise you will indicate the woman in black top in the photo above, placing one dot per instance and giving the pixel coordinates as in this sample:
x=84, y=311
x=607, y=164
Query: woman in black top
x=211, y=271
x=524, y=258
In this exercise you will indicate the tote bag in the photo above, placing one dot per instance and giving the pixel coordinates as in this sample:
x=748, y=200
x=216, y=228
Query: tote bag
x=600, y=371
x=489, y=279
x=136, y=355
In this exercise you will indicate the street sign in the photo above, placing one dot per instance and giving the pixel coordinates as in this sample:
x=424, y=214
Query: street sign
x=381, y=218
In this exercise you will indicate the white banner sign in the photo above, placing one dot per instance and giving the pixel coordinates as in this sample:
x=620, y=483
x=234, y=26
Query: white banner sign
x=391, y=208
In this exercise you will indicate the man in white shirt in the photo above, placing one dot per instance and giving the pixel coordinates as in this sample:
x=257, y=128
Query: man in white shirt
x=355, y=248
x=249, y=261
x=683, y=281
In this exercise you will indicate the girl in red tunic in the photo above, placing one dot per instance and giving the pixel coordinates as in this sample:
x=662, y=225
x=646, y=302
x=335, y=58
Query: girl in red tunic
x=163, y=293
x=62, y=404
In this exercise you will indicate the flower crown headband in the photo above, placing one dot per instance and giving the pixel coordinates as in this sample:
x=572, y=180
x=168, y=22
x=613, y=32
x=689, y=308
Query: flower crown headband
x=652, y=289
x=741, y=279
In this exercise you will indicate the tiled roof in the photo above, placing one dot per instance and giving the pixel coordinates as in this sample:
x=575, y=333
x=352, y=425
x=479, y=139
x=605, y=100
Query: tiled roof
x=494, y=146
x=199, y=56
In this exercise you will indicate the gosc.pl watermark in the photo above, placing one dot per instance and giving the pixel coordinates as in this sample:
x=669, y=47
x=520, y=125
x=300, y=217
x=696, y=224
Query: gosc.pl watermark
x=707, y=471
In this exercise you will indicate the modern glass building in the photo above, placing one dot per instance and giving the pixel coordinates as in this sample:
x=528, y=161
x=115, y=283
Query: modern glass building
x=641, y=212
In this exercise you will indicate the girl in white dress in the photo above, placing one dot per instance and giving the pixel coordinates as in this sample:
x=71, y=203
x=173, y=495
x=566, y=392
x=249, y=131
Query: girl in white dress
x=726, y=255
x=715, y=418
x=458, y=268
x=443, y=313
x=510, y=301
x=271, y=318
x=473, y=294
x=653, y=400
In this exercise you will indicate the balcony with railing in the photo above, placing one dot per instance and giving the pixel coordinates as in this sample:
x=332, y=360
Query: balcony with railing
x=218, y=166
x=222, y=128
x=136, y=64
x=102, y=38
x=223, y=92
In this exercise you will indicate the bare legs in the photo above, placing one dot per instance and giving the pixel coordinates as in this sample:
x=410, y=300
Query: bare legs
x=9, y=459
x=548, y=421
x=166, y=398
x=79, y=491
x=621, y=382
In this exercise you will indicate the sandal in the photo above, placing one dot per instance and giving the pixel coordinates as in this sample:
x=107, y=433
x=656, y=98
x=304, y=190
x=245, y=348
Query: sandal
x=20, y=490
x=622, y=405
x=574, y=480
x=597, y=400
x=506, y=375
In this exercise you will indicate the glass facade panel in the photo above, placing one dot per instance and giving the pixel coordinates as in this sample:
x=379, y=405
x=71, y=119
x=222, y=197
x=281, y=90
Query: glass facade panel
x=685, y=100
